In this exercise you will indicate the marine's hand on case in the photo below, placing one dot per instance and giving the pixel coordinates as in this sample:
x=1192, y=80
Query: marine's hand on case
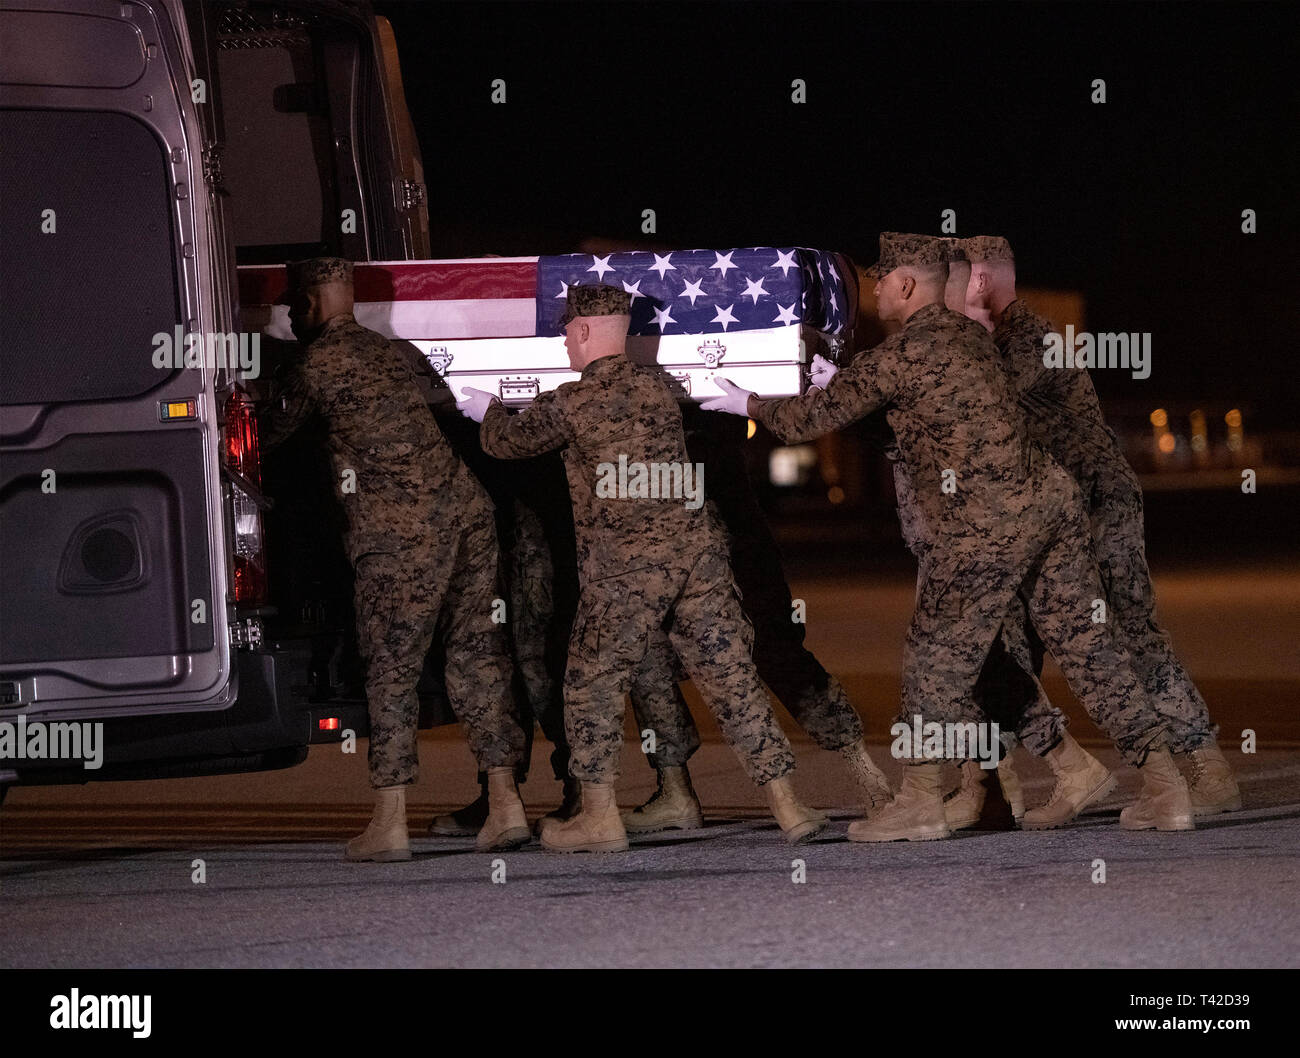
x=734, y=399
x=822, y=371
x=474, y=403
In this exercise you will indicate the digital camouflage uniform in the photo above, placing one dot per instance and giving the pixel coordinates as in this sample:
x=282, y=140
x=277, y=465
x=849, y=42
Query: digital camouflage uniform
x=1012, y=524
x=535, y=530
x=1062, y=414
x=815, y=698
x=543, y=599
x=645, y=565
x=421, y=541
x=1008, y=691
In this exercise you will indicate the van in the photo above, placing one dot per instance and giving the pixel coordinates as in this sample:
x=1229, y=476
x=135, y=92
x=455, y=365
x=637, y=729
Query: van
x=146, y=582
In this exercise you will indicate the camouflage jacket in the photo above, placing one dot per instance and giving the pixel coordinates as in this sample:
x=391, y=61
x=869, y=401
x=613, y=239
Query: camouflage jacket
x=616, y=415
x=405, y=484
x=1060, y=405
x=947, y=400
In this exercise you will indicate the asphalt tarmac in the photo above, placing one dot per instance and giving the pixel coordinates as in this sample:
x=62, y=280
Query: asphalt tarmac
x=109, y=875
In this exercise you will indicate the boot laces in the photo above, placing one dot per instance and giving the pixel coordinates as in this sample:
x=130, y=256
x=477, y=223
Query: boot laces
x=657, y=795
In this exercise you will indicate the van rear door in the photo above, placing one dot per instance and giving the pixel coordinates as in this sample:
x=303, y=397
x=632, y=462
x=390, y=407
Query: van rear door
x=113, y=564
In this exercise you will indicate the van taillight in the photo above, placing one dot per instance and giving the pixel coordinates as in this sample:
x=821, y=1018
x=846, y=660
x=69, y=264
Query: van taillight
x=241, y=437
x=242, y=456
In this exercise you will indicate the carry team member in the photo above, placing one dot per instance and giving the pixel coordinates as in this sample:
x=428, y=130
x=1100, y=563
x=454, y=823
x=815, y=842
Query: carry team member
x=1062, y=414
x=422, y=543
x=1007, y=691
x=645, y=564
x=1005, y=519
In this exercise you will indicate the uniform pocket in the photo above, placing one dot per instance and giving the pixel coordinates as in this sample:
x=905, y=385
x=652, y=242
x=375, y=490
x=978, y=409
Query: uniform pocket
x=588, y=622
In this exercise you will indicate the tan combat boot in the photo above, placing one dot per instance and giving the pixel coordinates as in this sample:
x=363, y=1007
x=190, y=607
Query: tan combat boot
x=1081, y=780
x=385, y=839
x=1165, y=803
x=871, y=781
x=506, y=826
x=962, y=807
x=915, y=813
x=1211, y=783
x=797, y=821
x=597, y=828
x=674, y=806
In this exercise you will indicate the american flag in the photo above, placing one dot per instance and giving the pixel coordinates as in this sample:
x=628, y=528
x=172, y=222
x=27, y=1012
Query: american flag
x=706, y=292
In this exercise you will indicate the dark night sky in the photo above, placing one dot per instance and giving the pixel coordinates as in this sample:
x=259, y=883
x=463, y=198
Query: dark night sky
x=618, y=107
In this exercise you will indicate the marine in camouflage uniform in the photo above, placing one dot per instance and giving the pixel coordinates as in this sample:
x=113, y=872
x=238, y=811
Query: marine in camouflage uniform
x=1008, y=690
x=1063, y=414
x=645, y=565
x=420, y=537
x=1005, y=517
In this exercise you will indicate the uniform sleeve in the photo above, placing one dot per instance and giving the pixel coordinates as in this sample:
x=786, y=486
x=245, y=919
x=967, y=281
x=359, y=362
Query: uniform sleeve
x=858, y=390
x=542, y=427
x=299, y=402
x=1029, y=375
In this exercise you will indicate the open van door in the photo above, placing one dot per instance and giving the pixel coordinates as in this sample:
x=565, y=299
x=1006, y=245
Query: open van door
x=115, y=579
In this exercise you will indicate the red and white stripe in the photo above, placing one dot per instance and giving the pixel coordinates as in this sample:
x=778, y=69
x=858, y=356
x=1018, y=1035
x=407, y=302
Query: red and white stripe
x=477, y=297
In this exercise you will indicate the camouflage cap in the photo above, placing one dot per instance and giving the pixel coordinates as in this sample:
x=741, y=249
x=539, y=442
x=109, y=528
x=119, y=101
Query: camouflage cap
x=316, y=270
x=595, y=299
x=900, y=248
x=954, y=250
x=988, y=248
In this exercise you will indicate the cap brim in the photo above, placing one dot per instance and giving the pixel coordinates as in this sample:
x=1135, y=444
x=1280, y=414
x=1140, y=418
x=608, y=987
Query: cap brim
x=875, y=271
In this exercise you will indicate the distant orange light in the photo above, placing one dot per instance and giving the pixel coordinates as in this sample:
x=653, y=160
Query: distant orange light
x=1233, y=419
x=835, y=494
x=751, y=429
x=1167, y=443
x=1159, y=418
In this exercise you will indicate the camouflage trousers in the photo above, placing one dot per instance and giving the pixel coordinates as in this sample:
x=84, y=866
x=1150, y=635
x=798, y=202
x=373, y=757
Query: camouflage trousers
x=970, y=580
x=694, y=609
x=542, y=603
x=405, y=599
x=1119, y=537
x=815, y=698
x=1007, y=691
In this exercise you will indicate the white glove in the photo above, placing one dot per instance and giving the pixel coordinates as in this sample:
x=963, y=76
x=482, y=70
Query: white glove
x=474, y=403
x=822, y=371
x=734, y=399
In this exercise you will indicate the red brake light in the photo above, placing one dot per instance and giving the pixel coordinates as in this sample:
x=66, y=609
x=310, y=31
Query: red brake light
x=241, y=453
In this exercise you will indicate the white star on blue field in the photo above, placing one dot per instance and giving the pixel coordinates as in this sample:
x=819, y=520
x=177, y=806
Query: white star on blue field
x=704, y=291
